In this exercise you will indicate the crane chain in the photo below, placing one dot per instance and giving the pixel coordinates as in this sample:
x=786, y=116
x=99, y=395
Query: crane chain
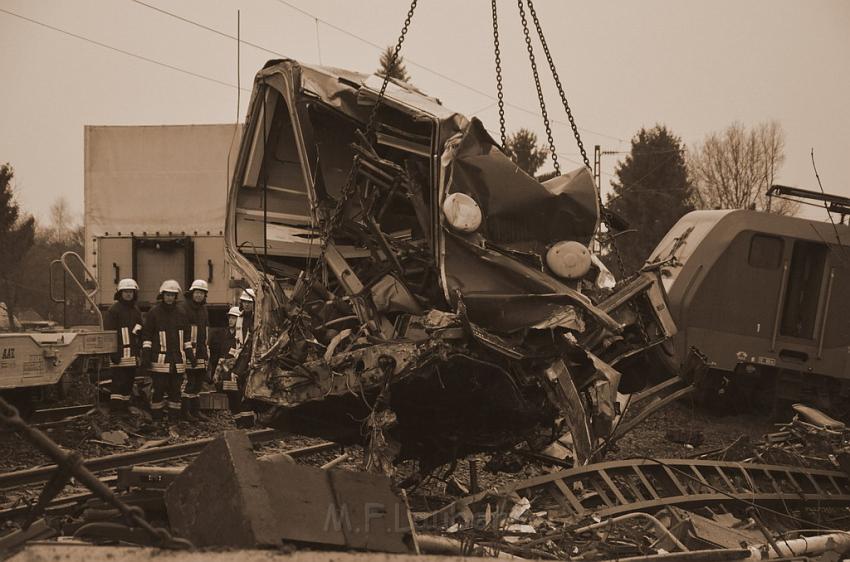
x=540, y=98
x=605, y=215
x=499, y=93
x=335, y=216
x=558, y=83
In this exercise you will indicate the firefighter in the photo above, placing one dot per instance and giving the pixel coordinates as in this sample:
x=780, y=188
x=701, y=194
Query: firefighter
x=224, y=345
x=245, y=322
x=165, y=350
x=125, y=318
x=224, y=353
x=197, y=318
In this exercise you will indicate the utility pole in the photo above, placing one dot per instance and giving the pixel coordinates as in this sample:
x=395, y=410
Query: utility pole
x=598, y=153
x=597, y=166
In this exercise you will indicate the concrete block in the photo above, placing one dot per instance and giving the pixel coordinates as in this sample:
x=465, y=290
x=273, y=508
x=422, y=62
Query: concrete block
x=227, y=497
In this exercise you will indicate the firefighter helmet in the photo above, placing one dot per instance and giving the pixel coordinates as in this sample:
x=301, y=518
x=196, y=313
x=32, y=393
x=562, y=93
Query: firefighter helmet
x=128, y=285
x=200, y=285
x=248, y=295
x=234, y=311
x=170, y=286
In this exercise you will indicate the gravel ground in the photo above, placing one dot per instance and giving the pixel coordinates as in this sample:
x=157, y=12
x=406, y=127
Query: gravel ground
x=649, y=439
x=85, y=435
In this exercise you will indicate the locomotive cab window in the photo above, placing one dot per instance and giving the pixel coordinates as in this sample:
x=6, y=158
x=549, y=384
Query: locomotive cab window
x=765, y=251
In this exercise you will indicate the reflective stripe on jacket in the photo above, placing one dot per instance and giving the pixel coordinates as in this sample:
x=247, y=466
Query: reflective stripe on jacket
x=164, y=333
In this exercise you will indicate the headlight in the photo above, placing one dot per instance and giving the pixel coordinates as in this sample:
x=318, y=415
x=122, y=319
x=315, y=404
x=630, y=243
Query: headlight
x=568, y=259
x=462, y=212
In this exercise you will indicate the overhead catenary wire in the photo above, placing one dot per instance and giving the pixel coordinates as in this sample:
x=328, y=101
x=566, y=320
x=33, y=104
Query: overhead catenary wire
x=431, y=70
x=826, y=207
x=317, y=20
x=119, y=50
x=208, y=28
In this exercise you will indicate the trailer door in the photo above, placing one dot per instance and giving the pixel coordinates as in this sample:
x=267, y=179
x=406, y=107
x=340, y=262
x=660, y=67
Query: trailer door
x=158, y=259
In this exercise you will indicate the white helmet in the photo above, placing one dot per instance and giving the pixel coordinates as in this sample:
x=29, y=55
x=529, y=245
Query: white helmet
x=248, y=295
x=170, y=286
x=234, y=311
x=128, y=285
x=200, y=285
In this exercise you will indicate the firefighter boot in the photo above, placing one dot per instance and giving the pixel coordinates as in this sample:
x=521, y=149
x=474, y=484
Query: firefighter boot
x=195, y=409
x=185, y=410
x=171, y=417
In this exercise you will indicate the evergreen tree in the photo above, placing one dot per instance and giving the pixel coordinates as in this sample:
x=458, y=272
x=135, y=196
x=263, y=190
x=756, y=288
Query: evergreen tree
x=395, y=70
x=523, y=150
x=651, y=192
x=16, y=238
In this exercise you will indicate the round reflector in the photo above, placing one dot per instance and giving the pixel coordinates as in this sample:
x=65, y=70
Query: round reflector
x=462, y=212
x=568, y=259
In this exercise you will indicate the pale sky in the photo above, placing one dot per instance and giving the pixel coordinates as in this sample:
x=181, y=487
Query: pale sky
x=693, y=66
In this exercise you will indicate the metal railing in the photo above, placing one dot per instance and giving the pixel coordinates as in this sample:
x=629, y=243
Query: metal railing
x=89, y=294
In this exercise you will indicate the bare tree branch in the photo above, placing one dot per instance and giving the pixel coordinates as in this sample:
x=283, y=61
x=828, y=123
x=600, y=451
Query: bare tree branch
x=734, y=169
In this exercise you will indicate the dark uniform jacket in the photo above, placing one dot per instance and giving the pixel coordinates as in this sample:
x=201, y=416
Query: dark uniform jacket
x=126, y=319
x=198, y=322
x=164, y=334
x=223, y=346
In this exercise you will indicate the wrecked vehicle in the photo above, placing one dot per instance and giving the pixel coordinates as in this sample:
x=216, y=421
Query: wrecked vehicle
x=414, y=286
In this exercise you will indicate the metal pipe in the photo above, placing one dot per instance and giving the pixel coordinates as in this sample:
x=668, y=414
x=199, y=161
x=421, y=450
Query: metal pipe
x=340, y=459
x=803, y=546
x=659, y=526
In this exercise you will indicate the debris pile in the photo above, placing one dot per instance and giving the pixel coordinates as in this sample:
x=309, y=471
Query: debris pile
x=743, y=509
x=810, y=439
x=643, y=508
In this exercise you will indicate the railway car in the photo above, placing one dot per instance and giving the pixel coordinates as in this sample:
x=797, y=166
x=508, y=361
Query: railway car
x=766, y=298
x=32, y=362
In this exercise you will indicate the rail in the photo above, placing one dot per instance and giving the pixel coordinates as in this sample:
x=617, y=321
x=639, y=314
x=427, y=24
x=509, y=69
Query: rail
x=42, y=474
x=63, y=261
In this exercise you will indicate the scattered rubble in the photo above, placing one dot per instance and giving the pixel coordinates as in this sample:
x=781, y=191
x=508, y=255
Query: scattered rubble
x=688, y=509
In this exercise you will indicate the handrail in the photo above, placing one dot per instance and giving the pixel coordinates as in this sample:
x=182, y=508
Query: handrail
x=50, y=270
x=88, y=294
x=63, y=300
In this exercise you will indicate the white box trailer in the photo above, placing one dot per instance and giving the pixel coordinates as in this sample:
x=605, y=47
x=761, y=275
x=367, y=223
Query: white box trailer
x=155, y=199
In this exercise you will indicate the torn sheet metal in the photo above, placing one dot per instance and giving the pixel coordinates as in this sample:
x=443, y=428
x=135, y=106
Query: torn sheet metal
x=410, y=274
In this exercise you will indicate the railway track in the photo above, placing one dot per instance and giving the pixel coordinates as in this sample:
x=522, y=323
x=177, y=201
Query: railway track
x=153, y=455
x=181, y=450
x=55, y=414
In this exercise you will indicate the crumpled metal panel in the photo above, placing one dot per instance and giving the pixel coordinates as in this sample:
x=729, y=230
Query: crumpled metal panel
x=428, y=340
